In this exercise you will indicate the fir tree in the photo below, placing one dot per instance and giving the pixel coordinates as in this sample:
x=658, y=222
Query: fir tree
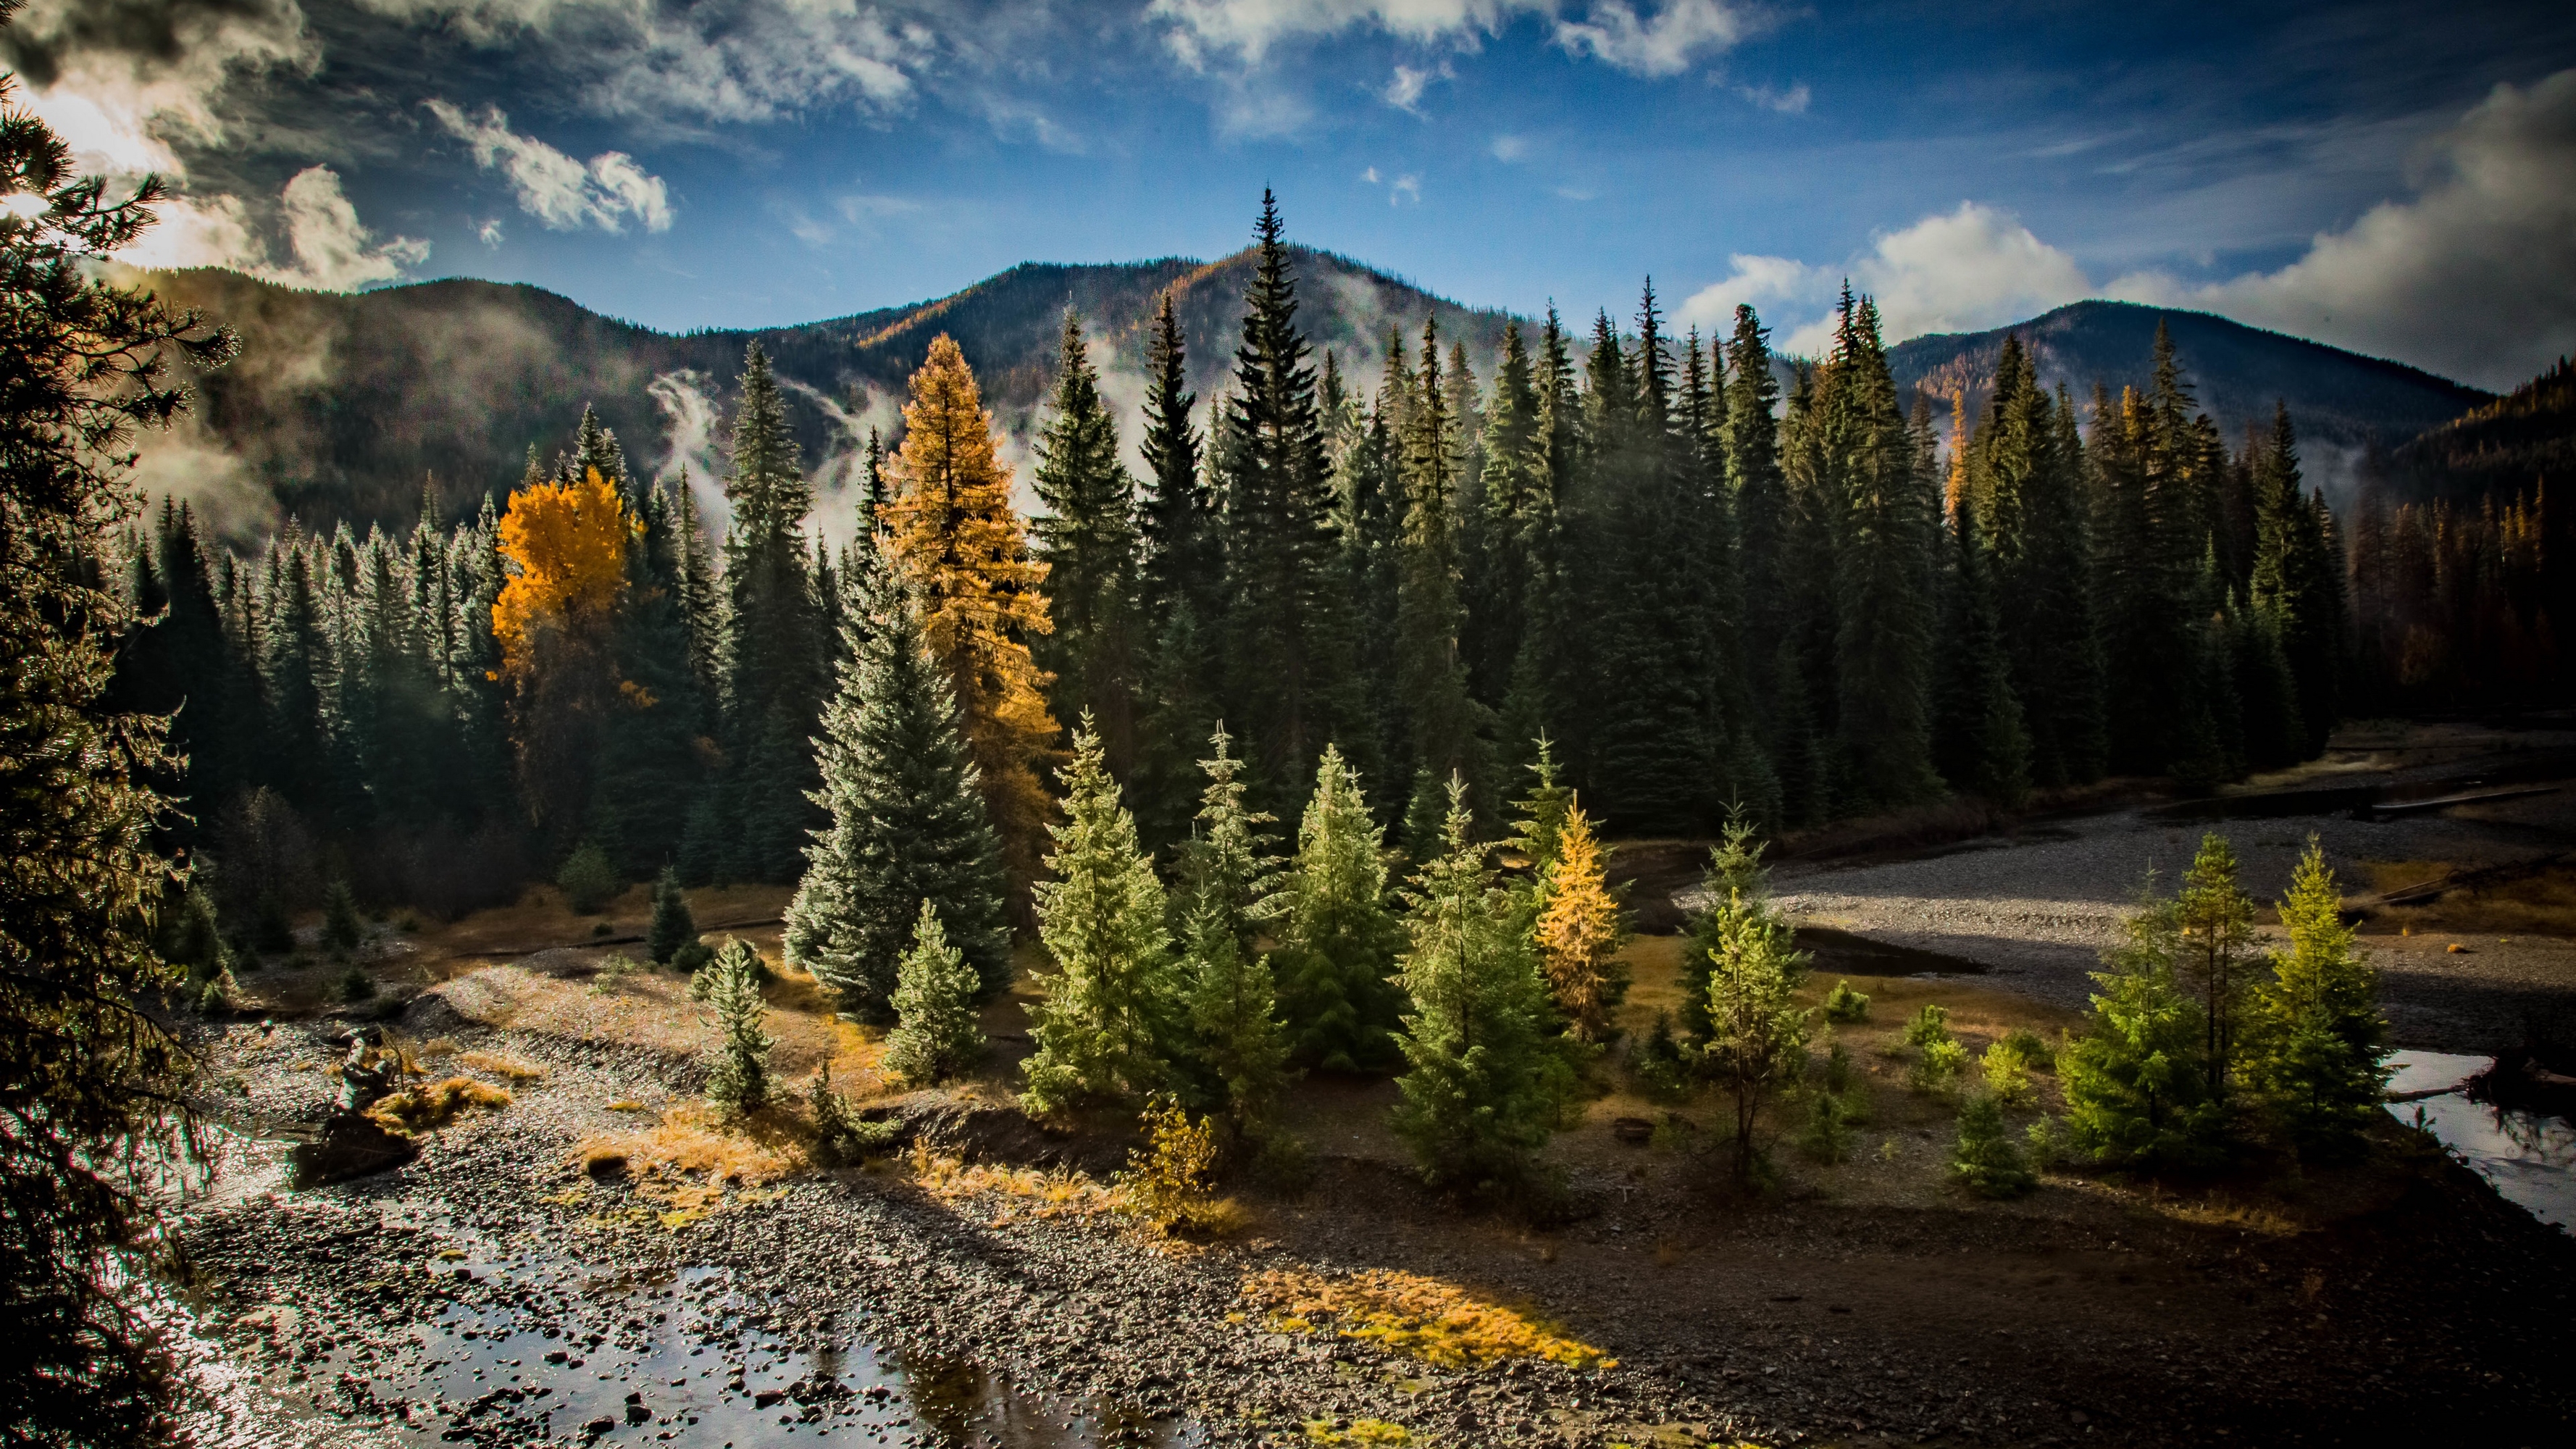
x=2319, y=1043
x=1238, y=1041
x=1112, y=1013
x=1337, y=939
x=1088, y=540
x=2216, y=920
x=2136, y=1082
x=1484, y=1085
x=773, y=651
x=1980, y=744
x=674, y=927
x=907, y=824
x=959, y=545
x=1442, y=719
x=1985, y=1160
x=1757, y=1035
x=649, y=775
x=739, y=1080
x=1275, y=502
x=936, y=1032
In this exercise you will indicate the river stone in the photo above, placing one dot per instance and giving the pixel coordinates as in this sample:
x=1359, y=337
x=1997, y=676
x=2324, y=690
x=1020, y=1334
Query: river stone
x=350, y=1145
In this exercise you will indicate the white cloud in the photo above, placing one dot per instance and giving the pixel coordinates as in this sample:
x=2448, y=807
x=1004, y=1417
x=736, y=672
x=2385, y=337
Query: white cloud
x=334, y=251
x=2473, y=277
x=1963, y=270
x=1405, y=188
x=119, y=108
x=1404, y=92
x=557, y=190
x=1369, y=176
x=1510, y=148
x=489, y=233
x=1664, y=43
x=1791, y=102
x=1201, y=31
x=654, y=59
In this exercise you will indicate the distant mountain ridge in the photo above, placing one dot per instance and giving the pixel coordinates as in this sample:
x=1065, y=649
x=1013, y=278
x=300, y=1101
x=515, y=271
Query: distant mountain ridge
x=2338, y=400
x=342, y=405
x=2520, y=443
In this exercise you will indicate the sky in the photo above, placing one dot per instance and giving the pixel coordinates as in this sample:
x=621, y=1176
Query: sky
x=2397, y=179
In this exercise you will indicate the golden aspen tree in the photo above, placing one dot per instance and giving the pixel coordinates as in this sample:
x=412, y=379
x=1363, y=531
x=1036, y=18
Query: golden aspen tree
x=564, y=547
x=1578, y=933
x=964, y=551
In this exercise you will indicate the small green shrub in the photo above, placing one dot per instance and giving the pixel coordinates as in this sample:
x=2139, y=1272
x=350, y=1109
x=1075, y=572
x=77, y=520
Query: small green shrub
x=272, y=930
x=2031, y=1047
x=1986, y=1161
x=2007, y=1074
x=936, y=1033
x=689, y=958
x=1846, y=1005
x=1839, y=1070
x=1171, y=1179
x=1661, y=1073
x=1928, y=1025
x=613, y=972
x=841, y=1135
x=1939, y=1066
x=1828, y=1135
x=675, y=926
x=588, y=880
x=213, y=1001
x=2047, y=1146
x=356, y=986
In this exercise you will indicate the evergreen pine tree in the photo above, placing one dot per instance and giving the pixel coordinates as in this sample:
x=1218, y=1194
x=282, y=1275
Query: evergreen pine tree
x=1275, y=501
x=1985, y=1161
x=773, y=651
x=1113, y=1013
x=1442, y=719
x=739, y=1080
x=1337, y=939
x=1979, y=741
x=2319, y=1043
x=907, y=824
x=1238, y=1042
x=1484, y=1085
x=2136, y=1082
x=936, y=1032
x=1757, y=1035
x=1088, y=540
x=2216, y=919
x=674, y=927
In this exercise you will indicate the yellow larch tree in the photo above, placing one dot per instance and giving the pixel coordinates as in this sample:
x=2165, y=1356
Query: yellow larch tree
x=564, y=543
x=1578, y=933
x=964, y=551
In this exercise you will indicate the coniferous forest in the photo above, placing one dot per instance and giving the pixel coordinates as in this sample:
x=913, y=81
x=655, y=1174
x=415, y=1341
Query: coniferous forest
x=1707, y=598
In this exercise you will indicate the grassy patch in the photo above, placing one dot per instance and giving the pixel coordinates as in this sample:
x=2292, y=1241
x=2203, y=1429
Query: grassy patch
x=2542, y=903
x=691, y=1162
x=1032, y=1194
x=434, y=1105
x=1360, y=1431
x=508, y=1068
x=1437, y=1322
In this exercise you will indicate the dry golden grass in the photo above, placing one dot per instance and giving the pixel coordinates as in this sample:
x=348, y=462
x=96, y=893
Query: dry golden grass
x=2540, y=904
x=439, y=1046
x=508, y=1068
x=426, y=1108
x=1032, y=1194
x=1436, y=1322
x=1361, y=1431
x=690, y=1161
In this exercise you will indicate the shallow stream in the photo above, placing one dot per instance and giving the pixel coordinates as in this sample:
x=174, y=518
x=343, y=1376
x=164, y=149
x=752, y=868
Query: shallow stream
x=558, y=1351
x=2528, y=1157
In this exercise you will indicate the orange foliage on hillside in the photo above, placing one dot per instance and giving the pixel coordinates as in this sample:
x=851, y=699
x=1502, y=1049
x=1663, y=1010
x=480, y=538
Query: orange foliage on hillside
x=566, y=544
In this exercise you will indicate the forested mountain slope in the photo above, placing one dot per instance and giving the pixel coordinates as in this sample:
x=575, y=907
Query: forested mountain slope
x=2337, y=399
x=2520, y=442
x=340, y=405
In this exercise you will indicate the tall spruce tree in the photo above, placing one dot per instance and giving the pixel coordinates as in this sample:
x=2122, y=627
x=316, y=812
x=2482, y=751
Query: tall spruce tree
x=907, y=823
x=1275, y=507
x=1441, y=718
x=1088, y=539
x=772, y=650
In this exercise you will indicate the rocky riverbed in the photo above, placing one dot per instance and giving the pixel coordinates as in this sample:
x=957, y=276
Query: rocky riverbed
x=490, y=1293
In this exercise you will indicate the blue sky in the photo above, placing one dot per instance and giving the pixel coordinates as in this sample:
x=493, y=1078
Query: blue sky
x=2400, y=179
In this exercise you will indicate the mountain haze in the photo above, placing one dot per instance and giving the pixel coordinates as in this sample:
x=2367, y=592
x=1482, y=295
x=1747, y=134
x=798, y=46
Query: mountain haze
x=342, y=405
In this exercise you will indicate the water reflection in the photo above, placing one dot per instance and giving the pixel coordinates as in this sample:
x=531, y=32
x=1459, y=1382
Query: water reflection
x=2530, y=1158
